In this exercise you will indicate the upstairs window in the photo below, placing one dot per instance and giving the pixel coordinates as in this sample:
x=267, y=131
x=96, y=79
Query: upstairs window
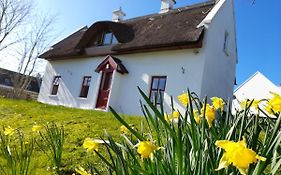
x=85, y=86
x=107, y=38
x=226, y=42
x=157, y=88
x=56, y=83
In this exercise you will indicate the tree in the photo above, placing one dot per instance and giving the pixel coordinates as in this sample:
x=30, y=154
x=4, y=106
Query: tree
x=25, y=35
x=28, y=51
x=13, y=13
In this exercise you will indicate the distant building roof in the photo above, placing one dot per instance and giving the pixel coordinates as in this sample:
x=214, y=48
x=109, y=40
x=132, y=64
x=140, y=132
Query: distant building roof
x=256, y=87
x=7, y=79
x=174, y=29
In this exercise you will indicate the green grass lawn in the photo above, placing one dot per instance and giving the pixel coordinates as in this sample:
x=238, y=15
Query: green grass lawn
x=78, y=125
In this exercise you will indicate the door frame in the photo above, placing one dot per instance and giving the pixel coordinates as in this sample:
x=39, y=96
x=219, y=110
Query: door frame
x=102, y=73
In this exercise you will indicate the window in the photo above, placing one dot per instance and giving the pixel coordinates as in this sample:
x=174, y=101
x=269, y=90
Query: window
x=108, y=38
x=56, y=83
x=225, y=44
x=85, y=86
x=157, y=88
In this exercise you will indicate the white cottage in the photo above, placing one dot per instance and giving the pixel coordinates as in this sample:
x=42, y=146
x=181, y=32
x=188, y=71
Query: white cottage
x=100, y=66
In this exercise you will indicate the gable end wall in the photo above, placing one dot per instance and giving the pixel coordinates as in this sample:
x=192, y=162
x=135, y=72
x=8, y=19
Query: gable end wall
x=219, y=68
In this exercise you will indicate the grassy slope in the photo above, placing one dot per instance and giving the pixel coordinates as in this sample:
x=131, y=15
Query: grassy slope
x=78, y=125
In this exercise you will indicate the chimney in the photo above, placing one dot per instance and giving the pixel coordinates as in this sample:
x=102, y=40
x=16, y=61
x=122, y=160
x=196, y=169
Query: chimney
x=167, y=5
x=118, y=15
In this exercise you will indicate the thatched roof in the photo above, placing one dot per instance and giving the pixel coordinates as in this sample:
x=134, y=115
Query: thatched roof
x=175, y=29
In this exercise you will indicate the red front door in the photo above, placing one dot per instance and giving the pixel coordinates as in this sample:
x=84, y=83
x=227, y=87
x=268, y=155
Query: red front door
x=104, y=90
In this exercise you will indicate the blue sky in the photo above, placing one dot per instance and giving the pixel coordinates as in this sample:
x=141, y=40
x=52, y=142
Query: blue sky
x=258, y=27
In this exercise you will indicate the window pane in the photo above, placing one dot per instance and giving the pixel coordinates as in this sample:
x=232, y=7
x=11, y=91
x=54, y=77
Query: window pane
x=160, y=95
x=157, y=88
x=86, y=81
x=56, y=80
x=55, y=89
x=107, y=38
x=155, y=83
x=84, y=91
x=114, y=40
x=162, y=83
x=153, y=96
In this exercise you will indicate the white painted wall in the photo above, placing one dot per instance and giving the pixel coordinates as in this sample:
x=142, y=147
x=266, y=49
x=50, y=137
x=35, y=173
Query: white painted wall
x=207, y=71
x=256, y=87
x=72, y=73
x=124, y=94
x=219, y=68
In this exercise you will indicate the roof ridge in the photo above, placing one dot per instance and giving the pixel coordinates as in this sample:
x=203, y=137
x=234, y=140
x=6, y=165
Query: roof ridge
x=176, y=10
x=251, y=77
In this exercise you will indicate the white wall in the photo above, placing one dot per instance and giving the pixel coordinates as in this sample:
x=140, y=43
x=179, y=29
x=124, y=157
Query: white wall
x=256, y=87
x=219, y=68
x=72, y=72
x=124, y=94
x=142, y=66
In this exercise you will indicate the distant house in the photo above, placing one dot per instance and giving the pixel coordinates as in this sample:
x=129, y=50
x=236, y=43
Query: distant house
x=256, y=87
x=7, y=79
x=164, y=53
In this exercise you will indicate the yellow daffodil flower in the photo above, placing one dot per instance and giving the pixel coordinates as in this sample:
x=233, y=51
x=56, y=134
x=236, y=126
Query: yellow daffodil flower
x=9, y=131
x=210, y=114
x=172, y=117
x=81, y=171
x=274, y=104
x=124, y=129
x=167, y=117
x=183, y=98
x=247, y=102
x=36, y=128
x=146, y=148
x=176, y=115
x=90, y=145
x=196, y=116
x=237, y=154
x=218, y=103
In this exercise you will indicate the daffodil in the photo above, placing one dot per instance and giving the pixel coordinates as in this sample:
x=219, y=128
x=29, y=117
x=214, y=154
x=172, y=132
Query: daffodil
x=172, y=117
x=9, y=131
x=274, y=104
x=36, y=128
x=146, y=148
x=81, y=171
x=247, y=102
x=183, y=98
x=237, y=154
x=90, y=145
x=124, y=129
x=176, y=115
x=196, y=116
x=218, y=103
x=167, y=117
x=210, y=114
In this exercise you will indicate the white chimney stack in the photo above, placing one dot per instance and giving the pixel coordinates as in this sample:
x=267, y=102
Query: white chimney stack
x=167, y=5
x=118, y=15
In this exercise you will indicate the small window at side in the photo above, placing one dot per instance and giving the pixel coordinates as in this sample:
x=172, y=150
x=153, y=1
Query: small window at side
x=85, y=86
x=55, y=85
x=226, y=43
x=157, y=88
